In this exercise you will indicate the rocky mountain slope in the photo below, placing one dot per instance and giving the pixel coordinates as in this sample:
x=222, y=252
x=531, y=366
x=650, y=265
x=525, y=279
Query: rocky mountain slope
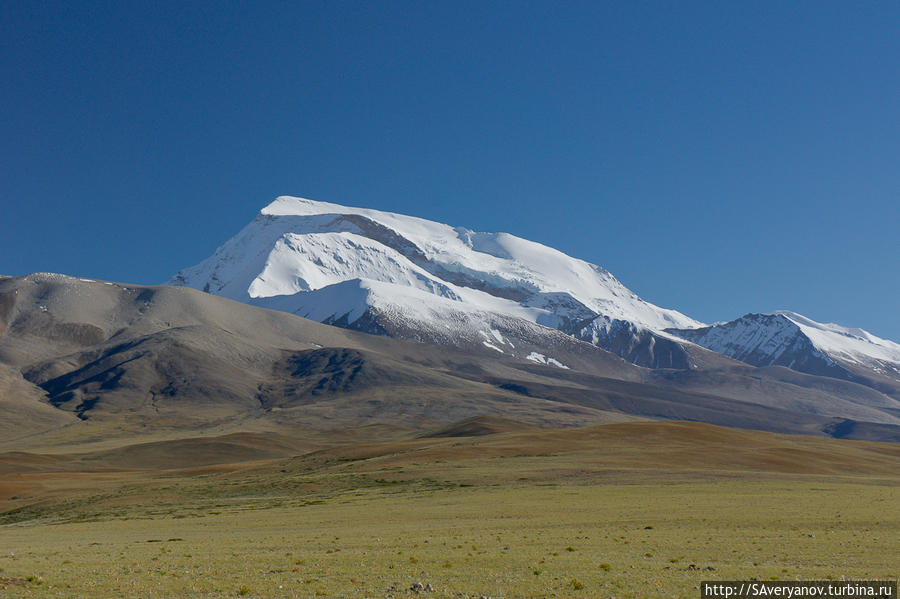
x=101, y=363
x=76, y=350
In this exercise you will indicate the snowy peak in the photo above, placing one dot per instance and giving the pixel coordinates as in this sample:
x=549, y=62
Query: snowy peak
x=785, y=338
x=759, y=339
x=409, y=277
x=845, y=343
x=324, y=261
x=497, y=263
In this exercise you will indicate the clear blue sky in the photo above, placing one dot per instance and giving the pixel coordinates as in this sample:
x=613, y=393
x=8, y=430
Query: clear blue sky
x=718, y=157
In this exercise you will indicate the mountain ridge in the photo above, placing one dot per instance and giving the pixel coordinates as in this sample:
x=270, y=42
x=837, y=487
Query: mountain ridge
x=785, y=338
x=97, y=362
x=407, y=277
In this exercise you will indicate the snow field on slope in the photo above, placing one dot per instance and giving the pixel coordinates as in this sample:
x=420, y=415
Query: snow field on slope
x=263, y=259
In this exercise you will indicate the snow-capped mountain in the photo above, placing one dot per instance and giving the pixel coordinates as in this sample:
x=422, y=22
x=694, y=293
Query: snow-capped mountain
x=788, y=339
x=408, y=277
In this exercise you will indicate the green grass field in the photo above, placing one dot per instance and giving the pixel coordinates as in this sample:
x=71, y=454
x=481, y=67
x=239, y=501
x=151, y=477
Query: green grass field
x=461, y=515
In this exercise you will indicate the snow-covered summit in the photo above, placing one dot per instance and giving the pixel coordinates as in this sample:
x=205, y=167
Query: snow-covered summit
x=341, y=264
x=785, y=338
x=851, y=344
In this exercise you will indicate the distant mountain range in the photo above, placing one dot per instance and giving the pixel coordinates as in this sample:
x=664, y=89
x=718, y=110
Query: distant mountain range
x=104, y=362
x=433, y=324
x=411, y=278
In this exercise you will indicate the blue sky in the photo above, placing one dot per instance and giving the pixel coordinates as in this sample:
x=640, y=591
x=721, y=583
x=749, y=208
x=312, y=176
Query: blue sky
x=719, y=158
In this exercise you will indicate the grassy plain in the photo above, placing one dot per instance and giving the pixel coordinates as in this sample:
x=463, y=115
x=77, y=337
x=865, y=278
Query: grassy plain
x=627, y=510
